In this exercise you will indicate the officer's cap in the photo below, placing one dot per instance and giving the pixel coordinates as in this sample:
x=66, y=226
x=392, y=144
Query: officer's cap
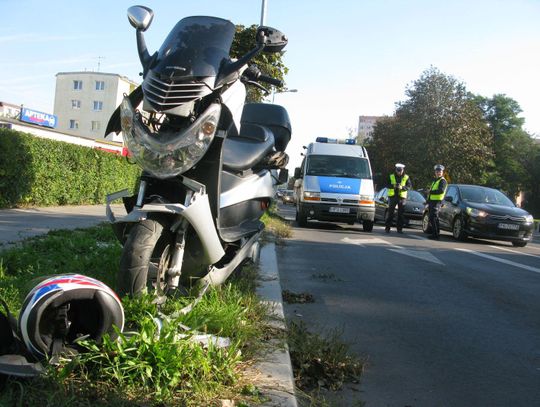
x=400, y=166
x=439, y=167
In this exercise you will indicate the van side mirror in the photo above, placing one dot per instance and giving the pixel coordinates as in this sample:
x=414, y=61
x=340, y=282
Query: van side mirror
x=297, y=173
x=448, y=199
x=283, y=176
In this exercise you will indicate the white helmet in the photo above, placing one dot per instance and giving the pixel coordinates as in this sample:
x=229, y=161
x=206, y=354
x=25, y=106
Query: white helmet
x=64, y=308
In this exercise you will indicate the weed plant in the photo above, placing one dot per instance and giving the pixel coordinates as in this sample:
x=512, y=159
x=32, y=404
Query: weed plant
x=321, y=360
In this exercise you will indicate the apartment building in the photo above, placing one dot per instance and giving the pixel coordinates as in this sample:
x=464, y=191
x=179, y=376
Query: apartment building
x=365, y=127
x=84, y=101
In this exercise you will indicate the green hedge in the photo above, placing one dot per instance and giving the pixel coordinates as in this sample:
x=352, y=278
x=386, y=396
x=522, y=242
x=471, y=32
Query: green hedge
x=41, y=172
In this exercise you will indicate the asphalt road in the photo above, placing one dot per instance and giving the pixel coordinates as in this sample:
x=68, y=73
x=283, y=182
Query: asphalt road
x=18, y=224
x=439, y=324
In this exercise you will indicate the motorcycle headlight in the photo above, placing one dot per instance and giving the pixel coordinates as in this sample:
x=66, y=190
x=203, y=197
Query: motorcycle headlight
x=476, y=213
x=167, y=154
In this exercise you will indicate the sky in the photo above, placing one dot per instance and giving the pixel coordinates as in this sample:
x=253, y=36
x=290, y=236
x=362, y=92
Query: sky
x=346, y=58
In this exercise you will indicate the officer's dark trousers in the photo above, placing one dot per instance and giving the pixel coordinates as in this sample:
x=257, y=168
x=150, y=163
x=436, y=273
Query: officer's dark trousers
x=433, y=210
x=392, y=202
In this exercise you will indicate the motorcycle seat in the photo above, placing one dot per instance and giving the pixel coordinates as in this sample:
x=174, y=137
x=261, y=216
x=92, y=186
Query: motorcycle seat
x=244, y=151
x=273, y=117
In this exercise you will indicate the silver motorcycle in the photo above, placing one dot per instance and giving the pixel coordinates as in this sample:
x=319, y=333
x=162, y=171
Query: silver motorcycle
x=210, y=161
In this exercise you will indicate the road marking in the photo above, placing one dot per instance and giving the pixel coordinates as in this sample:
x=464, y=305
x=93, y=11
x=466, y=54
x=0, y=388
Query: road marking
x=418, y=237
x=514, y=251
x=419, y=254
x=374, y=240
x=510, y=263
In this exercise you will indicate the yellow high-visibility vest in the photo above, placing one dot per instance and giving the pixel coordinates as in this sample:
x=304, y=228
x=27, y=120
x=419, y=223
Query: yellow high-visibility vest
x=402, y=193
x=435, y=186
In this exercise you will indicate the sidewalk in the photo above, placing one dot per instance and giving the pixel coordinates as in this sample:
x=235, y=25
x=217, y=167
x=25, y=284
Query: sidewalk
x=275, y=377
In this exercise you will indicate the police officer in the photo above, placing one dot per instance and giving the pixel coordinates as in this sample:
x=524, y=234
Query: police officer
x=399, y=184
x=435, y=197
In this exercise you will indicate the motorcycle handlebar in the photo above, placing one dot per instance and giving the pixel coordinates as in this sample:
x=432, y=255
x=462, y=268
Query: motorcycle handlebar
x=272, y=81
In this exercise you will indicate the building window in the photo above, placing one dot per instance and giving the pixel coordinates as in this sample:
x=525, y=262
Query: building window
x=100, y=85
x=98, y=105
x=73, y=124
x=77, y=85
x=75, y=104
x=96, y=126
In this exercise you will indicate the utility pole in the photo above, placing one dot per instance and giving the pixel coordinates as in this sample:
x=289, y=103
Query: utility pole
x=263, y=13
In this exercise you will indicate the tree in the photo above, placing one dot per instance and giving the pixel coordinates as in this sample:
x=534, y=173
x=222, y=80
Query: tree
x=438, y=123
x=270, y=64
x=512, y=146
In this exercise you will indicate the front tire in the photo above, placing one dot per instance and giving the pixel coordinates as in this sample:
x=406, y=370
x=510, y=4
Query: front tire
x=367, y=225
x=426, y=227
x=301, y=217
x=147, y=243
x=519, y=244
x=457, y=229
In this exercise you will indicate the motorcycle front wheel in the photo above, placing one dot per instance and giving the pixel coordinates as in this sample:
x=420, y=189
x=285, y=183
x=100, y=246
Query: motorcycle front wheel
x=145, y=251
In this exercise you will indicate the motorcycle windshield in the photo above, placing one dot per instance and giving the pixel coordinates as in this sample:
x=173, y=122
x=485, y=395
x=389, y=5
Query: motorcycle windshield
x=196, y=46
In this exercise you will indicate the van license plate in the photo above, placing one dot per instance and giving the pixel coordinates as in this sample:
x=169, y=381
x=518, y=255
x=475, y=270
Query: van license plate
x=509, y=226
x=334, y=209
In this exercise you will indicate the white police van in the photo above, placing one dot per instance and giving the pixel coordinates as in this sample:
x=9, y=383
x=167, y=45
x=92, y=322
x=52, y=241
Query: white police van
x=335, y=184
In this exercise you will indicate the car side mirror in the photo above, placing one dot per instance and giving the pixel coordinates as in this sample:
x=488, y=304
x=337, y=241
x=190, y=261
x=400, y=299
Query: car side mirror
x=448, y=199
x=272, y=39
x=297, y=173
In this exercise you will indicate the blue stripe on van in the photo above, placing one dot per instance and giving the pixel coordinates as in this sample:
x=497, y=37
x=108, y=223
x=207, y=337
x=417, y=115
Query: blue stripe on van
x=339, y=185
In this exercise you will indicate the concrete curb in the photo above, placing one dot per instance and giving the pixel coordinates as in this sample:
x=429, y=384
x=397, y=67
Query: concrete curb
x=276, y=380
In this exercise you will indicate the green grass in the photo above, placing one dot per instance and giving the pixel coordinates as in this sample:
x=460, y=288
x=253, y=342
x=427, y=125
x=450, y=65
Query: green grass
x=145, y=366
x=275, y=224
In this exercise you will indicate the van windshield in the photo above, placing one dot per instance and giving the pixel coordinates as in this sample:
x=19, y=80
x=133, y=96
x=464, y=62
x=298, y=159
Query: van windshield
x=338, y=166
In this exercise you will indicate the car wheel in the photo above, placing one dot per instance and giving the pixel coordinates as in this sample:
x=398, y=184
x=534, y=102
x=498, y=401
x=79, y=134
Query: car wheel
x=457, y=229
x=519, y=244
x=367, y=225
x=426, y=228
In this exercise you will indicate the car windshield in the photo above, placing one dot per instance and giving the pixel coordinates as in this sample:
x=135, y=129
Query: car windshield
x=338, y=166
x=415, y=196
x=484, y=195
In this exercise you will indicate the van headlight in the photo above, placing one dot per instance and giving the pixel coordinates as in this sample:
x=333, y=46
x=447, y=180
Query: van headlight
x=166, y=154
x=312, y=196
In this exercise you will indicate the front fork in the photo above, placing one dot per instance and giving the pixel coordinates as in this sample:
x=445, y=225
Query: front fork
x=195, y=212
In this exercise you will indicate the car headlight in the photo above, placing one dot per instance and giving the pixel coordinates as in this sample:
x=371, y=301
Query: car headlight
x=166, y=154
x=312, y=196
x=529, y=219
x=476, y=213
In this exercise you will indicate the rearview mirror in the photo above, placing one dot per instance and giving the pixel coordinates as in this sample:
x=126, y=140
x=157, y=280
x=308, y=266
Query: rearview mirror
x=297, y=173
x=140, y=17
x=272, y=39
